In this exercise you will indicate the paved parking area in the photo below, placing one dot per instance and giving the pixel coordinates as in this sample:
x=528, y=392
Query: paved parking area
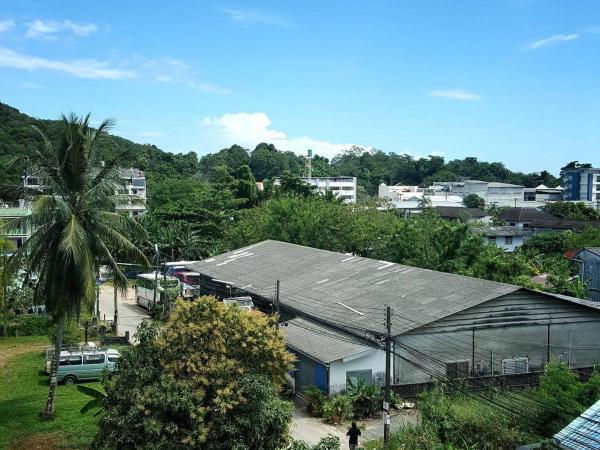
x=130, y=315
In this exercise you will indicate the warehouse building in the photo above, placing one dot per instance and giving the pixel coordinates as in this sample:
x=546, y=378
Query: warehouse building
x=442, y=324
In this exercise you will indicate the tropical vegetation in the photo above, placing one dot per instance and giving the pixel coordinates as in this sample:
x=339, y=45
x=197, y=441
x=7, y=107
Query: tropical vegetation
x=76, y=226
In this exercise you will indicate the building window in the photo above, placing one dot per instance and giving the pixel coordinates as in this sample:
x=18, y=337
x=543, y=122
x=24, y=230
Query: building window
x=492, y=239
x=529, y=197
x=515, y=365
x=355, y=375
x=508, y=240
x=457, y=369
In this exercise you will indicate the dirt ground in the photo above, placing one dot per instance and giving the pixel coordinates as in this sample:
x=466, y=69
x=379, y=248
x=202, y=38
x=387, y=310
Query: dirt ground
x=38, y=441
x=11, y=350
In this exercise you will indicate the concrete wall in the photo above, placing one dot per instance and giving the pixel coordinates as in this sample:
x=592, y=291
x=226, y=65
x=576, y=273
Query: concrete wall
x=373, y=359
x=515, y=325
x=500, y=241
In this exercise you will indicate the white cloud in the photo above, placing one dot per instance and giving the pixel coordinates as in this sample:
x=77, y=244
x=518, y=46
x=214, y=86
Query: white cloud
x=552, y=40
x=6, y=25
x=250, y=129
x=249, y=16
x=176, y=71
x=159, y=70
x=49, y=29
x=29, y=85
x=455, y=94
x=80, y=68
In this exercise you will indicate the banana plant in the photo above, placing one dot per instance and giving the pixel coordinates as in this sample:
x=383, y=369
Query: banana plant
x=98, y=399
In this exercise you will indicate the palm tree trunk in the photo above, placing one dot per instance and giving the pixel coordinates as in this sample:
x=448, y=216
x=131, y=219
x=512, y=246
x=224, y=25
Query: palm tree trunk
x=48, y=411
x=116, y=310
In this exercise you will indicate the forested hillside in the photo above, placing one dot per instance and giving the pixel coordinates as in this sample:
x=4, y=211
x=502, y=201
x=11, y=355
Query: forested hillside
x=17, y=134
x=370, y=167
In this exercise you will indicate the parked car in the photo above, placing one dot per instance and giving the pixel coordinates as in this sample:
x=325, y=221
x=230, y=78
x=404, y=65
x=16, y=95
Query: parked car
x=88, y=364
x=132, y=274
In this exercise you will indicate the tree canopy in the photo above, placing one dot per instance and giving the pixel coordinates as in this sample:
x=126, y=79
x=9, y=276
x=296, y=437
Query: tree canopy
x=208, y=379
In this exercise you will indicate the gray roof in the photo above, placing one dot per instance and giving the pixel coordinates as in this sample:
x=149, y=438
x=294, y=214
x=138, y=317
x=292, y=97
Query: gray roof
x=314, y=282
x=502, y=231
x=456, y=212
x=494, y=184
x=519, y=214
x=321, y=343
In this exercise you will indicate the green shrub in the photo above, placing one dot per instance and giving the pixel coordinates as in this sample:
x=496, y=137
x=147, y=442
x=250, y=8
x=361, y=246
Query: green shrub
x=29, y=325
x=314, y=399
x=337, y=408
x=329, y=442
x=466, y=422
x=72, y=334
x=367, y=399
x=563, y=397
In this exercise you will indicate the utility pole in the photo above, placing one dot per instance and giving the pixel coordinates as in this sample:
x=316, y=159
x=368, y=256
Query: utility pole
x=309, y=164
x=156, y=274
x=166, y=305
x=277, y=305
x=116, y=306
x=4, y=297
x=388, y=354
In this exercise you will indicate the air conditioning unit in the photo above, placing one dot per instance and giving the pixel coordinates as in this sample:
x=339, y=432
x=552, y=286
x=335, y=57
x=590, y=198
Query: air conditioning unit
x=515, y=365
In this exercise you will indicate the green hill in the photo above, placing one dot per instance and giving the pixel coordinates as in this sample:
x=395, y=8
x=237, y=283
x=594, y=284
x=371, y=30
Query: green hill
x=17, y=136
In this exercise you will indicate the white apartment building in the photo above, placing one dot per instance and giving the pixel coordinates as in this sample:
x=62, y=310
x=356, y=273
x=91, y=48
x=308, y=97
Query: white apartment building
x=342, y=187
x=411, y=197
x=135, y=184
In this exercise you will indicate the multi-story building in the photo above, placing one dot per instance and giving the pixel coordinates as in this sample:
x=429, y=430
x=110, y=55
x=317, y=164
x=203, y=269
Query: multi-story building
x=582, y=184
x=135, y=185
x=9, y=213
x=341, y=187
x=493, y=193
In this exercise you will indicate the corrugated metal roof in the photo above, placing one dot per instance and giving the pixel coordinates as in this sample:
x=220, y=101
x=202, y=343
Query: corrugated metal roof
x=321, y=343
x=583, y=432
x=317, y=282
x=14, y=212
x=594, y=250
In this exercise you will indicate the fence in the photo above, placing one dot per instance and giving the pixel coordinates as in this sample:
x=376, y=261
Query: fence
x=480, y=383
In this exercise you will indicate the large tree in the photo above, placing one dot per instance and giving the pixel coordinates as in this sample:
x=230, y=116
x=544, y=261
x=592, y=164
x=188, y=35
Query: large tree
x=76, y=226
x=208, y=379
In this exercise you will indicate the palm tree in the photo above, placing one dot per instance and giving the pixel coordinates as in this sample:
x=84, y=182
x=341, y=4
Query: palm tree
x=76, y=224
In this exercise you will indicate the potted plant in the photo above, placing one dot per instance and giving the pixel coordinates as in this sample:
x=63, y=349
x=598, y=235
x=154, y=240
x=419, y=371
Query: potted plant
x=337, y=408
x=314, y=398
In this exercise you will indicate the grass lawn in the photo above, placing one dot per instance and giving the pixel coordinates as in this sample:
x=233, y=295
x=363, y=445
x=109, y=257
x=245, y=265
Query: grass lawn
x=23, y=393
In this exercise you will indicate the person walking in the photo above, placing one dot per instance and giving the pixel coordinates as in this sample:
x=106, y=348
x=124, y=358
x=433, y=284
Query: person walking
x=353, y=433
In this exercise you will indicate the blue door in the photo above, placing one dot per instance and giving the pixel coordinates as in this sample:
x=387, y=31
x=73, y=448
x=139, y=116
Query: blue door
x=321, y=377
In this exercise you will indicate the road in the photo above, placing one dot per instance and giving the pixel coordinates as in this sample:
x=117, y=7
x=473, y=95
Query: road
x=130, y=315
x=312, y=429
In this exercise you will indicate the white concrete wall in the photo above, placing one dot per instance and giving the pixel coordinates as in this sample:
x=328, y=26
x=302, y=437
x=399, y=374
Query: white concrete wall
x=500, y=242
x=373, y=359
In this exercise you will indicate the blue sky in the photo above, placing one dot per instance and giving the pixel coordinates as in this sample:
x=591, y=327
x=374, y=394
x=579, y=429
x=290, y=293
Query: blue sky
x=515, y=81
